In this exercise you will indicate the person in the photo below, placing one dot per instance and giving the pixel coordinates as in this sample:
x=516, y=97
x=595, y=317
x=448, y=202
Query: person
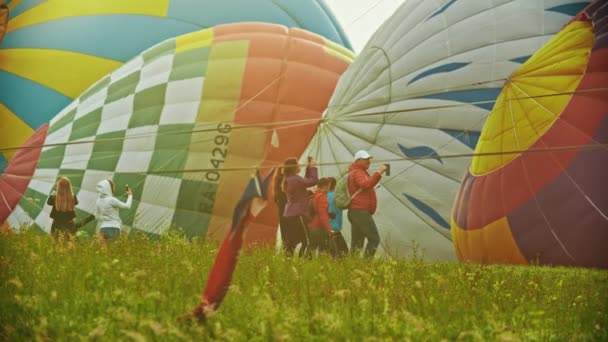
x=106, y=211
x=295, y=187
x=363, y=203
x=63, y=202
x=319, y=226
x=337, y=243
x=280, y=198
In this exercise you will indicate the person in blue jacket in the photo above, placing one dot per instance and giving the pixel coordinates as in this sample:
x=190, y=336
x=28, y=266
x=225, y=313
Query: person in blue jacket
x=338, y=245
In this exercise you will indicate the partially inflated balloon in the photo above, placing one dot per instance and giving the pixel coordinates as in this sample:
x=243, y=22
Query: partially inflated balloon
x=236, y=96
x=55, y=49
x=547, y=205
x=422, y=88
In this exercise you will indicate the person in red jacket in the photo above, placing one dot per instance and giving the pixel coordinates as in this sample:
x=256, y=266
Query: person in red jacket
x=363, y=203
x=320, y=226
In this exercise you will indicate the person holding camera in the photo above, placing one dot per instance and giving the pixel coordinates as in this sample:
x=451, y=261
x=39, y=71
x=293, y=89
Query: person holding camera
x=363, y=203
x=63, y=201
x=109, y=223
x=295, y=230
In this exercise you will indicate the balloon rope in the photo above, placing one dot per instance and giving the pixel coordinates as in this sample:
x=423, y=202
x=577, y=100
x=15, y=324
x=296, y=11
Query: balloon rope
x=589, y=147
x=301, y=121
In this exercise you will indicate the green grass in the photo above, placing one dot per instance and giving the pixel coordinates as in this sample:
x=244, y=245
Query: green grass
x=136, y=288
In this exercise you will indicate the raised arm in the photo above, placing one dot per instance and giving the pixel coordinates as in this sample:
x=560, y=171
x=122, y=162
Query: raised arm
x=119, y=204
x=363, y=182
x=311, y=177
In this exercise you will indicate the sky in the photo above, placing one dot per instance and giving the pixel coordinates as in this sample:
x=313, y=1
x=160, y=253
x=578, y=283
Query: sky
x=361, y=18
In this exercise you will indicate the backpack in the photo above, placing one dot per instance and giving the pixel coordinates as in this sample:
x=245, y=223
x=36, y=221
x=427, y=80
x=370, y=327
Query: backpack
x=311, y=206
x=342, y=196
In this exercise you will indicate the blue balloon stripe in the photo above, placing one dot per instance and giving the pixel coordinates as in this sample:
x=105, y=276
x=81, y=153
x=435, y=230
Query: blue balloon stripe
x=428, y=211
x=437, y=70
x=3, y=164
x=32, y=102
x=128, y=35
x=289, y=13
x=469, y=138
x=24, y=6
x=442, y=9
x=520, y=60
x=482, y=98
x=569, y=9
x=194, y=11
x=343, y=38
x=420, y=151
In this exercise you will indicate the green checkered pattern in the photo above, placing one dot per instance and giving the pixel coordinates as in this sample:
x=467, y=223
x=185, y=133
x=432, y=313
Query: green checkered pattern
x=119, y=126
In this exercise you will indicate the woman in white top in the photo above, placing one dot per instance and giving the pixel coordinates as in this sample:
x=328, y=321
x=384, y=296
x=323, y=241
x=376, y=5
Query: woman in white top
x=106, y=213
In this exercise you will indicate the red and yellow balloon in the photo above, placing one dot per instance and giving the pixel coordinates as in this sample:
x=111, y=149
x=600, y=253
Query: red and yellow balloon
x=549, y=204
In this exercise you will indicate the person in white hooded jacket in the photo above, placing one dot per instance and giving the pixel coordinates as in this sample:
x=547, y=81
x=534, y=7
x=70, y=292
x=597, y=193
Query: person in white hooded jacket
x=106, y=212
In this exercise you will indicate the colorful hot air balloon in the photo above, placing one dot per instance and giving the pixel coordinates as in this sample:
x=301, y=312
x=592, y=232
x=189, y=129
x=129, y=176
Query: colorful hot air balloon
x=237, y=96
x=549, y=206
x=422, y=87
x=55, y=49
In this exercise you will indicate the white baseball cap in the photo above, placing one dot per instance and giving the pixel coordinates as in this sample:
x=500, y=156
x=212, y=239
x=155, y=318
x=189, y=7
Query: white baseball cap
x=362, y=154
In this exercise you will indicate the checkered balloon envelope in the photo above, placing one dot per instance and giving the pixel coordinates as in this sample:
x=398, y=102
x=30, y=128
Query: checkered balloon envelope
x=185, y=124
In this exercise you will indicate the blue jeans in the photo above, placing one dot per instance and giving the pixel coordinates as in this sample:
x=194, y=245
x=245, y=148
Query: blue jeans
x=110, y=233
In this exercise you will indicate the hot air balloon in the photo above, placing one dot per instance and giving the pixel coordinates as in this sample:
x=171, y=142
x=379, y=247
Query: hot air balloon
x=422, y=88
x=54, y=50
x=217, y=102
x=548, y=202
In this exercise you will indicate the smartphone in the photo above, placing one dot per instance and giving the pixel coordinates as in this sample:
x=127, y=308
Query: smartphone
x=388, y=169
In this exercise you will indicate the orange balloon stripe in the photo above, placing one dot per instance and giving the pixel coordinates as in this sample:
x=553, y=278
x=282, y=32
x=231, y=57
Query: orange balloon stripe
x=492, y=244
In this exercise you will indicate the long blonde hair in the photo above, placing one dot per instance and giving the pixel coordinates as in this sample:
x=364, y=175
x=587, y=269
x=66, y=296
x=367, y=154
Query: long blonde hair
x=64, y=199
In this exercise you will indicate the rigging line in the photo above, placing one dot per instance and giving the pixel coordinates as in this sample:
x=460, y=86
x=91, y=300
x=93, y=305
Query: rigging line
x=193, y=142
x=198, y=125
x=310, y=121
x=419, y=94
x=402, y=159
x=397, y=111
x=590, y=147
x=365, y=13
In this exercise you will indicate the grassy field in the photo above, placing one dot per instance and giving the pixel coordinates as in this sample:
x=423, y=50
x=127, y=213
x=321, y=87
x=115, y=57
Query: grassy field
x=136, y=288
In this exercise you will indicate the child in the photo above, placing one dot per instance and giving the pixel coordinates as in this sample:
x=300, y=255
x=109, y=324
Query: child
x=337, y=243
x=319, y=225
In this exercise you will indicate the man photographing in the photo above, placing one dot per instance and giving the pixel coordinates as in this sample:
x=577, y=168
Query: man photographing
x=363, y=203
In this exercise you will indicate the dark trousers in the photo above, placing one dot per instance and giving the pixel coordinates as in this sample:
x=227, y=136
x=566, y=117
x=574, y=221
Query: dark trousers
x=319, y=240
x=337, y=245
x=294, y=231
x=63, y=228
x=362, y=227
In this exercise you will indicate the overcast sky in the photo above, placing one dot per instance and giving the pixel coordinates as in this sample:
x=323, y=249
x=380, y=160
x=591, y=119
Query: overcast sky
x=361, y=18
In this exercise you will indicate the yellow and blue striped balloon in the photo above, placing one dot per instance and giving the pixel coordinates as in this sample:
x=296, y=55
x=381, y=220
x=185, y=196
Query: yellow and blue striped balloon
x=54, y=49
